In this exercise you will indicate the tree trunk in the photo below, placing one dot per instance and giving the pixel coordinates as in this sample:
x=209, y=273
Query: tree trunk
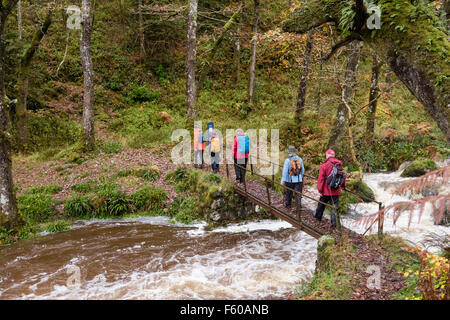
x=347, y=93
x=191, y=88
x=237, y=56
x=319, y=83
x=88, y=76
x=445, y=13
x=301, y=97
x=19, y=19
x=9, y=215
x=251, y=90
x=204, y=70
x=22, y=82
x=406, y=45
x=141, y=31
x=373, y=97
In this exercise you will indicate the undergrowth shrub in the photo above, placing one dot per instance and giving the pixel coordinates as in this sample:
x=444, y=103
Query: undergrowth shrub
x=58, y=226
x=35, y=208
x=111, y=147
x=149, y=198
x=83, y=187
x=185, y=210
x=78, y=207
x=45, y=189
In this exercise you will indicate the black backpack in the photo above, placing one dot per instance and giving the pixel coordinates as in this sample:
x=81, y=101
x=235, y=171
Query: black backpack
x=336, y=177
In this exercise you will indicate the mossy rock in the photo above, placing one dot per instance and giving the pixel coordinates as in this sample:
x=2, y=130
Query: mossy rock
x=418, y=168
x=362, y=189
x=347, y=198
x=325, y=247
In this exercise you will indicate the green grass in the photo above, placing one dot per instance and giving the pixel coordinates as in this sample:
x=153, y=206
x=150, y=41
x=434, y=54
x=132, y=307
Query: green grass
x=46, y=189
x=35, y=208
x=149, y=199
x=58, y=226
x=83, y=187
x=111, y=147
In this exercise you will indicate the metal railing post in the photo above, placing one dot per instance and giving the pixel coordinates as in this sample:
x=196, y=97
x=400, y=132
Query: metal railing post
x=380, y=222
x=273, y=175
x=299, y=214
x=268, y=194
x=228, y=171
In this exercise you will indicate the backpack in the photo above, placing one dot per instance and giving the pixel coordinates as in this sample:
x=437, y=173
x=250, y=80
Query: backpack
x=215, y=145
x=296, y=168
x=201, y=137
x=243, y=144
x=336, y=177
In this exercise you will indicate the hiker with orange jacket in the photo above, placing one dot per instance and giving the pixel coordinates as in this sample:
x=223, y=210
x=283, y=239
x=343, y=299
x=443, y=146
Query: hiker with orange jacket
x=292, y=177
x=330, y=182
x=199, y=146
x=241, y=149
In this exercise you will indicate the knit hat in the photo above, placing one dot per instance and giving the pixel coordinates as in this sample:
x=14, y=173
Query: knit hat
x=292, y=150
x=239, y=131
x=330, y=153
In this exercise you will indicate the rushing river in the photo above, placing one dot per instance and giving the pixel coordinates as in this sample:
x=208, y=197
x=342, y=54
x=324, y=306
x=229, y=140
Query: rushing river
x=150, y=258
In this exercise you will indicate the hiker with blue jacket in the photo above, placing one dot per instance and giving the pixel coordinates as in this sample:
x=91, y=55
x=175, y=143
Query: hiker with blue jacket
x=241, y=149
x=293, y=171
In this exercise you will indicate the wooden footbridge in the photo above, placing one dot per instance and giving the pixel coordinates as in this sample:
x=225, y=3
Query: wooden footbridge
x=262, y=191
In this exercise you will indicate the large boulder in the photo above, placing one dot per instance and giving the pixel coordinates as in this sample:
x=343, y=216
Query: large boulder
x=418, y=168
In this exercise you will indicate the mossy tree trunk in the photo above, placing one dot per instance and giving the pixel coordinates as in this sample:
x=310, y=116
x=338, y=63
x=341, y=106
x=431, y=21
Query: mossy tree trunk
x=373, y=96
x=351, y=70
x=409, y=42
x=141, y=31
x=251, y=90
x=226, y=28
x=88, y=76
x=237, y=56
x=301, y=97
x=191, y=87
x=9, y=215
x=22, y=83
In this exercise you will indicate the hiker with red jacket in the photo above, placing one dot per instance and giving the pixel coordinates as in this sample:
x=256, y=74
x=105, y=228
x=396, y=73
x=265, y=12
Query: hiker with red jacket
x=330, y=182
x=199, y=146
x=241, y=148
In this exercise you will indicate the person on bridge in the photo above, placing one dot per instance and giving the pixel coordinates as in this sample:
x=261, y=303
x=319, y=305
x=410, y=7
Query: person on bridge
x=330, y=182
x=215, y=148
x=293, y=171
x=199, y=147
x=241, y=149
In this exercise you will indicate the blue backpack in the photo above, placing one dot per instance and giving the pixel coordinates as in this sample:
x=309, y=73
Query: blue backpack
x=201, y=137
x=243, y=144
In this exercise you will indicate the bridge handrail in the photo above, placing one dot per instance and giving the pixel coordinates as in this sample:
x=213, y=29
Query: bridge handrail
x=287, y=188
x=364, y=198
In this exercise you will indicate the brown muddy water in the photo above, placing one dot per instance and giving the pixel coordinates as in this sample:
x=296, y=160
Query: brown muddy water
x=149, y=258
